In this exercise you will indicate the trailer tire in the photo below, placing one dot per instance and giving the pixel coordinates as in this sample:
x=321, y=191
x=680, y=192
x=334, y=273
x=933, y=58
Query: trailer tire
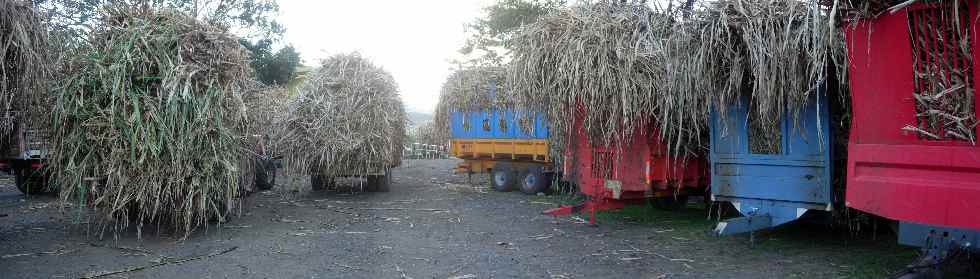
x=534, y=180
x=320, y=182
x=670, y=203
x=29, y=182
x=379, y=183
x=503, y=177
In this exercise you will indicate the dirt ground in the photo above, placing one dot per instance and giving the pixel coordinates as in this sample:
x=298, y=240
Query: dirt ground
x=433, y=224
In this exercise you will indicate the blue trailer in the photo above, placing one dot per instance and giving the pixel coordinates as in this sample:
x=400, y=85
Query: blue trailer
x=493, y=141
x=771, y=189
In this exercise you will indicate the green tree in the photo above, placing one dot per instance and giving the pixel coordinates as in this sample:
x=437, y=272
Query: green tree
x=273, y=68
x=247, y=18
x=488, y=42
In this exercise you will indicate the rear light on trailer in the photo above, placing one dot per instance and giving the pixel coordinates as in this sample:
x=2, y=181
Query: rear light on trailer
x=648, y=175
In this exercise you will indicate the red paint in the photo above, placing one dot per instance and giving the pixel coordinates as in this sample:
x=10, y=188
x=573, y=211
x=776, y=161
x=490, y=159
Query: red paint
x=629, y=166
x=892, y=173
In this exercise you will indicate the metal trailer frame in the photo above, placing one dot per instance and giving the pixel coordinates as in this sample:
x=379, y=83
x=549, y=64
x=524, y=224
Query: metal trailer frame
x=772, y=189
x=613, y=177
x=932, y=187
x=26, y=160
x=493, y=141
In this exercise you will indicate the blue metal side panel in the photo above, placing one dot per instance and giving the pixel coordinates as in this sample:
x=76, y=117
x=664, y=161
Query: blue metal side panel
x=456, y=129
x=780, y=187
x=495, y=120
x=540, y=126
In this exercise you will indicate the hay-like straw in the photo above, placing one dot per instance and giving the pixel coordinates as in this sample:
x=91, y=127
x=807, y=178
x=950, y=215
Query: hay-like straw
x=597, y=60
x=347, y=120
x=777, y=52
x=625, y=66
x=151, y=121
x=467, y=90
x=25, y=70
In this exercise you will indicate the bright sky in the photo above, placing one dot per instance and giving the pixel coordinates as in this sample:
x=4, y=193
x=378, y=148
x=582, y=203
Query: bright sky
x=414, y=40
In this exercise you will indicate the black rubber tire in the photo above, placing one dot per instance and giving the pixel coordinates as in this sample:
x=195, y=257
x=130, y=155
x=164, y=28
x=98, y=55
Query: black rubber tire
x=671, y=203
x=319, y=182
x=503, y=178
x=379, y=183
x=534, y=180
x=31, y=182
x=265, y=175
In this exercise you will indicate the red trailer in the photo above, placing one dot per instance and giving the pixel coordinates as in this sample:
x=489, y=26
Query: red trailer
x=930, y=184
x=631, y=173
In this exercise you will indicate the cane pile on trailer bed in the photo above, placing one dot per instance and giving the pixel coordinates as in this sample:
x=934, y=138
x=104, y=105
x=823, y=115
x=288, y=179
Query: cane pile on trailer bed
x=467, y=90
x=152, y=121
x=606, y=60
x=24, y=69
x=943, y=77
x=347, y=120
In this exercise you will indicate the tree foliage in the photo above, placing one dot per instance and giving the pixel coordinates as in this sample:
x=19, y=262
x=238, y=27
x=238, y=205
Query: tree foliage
x=488, y=43
x=273, y=68
x=247, y=18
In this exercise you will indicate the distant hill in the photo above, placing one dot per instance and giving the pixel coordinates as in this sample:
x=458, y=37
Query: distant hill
x=415, y=117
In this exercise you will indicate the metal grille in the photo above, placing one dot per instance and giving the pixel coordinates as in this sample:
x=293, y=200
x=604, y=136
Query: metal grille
x=943, y=72
x=602, y=164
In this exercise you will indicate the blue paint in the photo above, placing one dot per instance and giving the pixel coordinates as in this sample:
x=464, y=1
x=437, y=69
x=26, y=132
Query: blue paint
x=495, y=124
x=778, y=188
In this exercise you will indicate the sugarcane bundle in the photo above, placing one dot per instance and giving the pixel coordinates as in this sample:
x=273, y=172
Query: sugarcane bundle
x=426, y=133
x=151, y=121
x=25, y=69
x=604, y=62
x=774, y=53
x=468, y=90
x=346, y=120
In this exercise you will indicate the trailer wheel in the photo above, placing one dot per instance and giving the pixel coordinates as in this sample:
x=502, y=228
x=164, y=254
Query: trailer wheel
x=503, y=178
x=320, y=182
x=379, y=183
x=31, y=182
x=671, y=203
x=534, y=180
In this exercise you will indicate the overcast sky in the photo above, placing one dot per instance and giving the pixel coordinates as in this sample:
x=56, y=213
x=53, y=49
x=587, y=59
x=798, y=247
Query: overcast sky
x=414, y=40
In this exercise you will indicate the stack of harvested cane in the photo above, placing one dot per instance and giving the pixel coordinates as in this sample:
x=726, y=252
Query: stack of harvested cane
x=625, y=66
x=468, y=90
x=603, y=61
x=25, y=69
x=152, y=122
x=347, y=120
x=775, y=54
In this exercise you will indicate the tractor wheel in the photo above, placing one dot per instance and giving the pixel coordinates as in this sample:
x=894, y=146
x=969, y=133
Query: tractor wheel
x=503, y=178
x=320, y=182
x=671, y=203
x=534, y=180
x=379, y=183
x=31, y=182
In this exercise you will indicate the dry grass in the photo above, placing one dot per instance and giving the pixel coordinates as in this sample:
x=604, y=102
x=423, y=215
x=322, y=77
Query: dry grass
x=467, y=90
x=25, y=69
x=347, y=119
x=599, y=61
x=152, y=122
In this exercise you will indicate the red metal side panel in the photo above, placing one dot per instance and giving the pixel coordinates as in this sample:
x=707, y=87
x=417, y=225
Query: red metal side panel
x=892, y=173
x=628, y=165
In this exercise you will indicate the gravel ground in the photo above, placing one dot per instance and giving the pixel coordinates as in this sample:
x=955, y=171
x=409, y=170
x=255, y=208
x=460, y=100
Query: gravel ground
x=433, y=224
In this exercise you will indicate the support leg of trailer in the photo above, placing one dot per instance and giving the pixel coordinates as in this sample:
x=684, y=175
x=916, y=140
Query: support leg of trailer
x=743, y=224
x=590, y=206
